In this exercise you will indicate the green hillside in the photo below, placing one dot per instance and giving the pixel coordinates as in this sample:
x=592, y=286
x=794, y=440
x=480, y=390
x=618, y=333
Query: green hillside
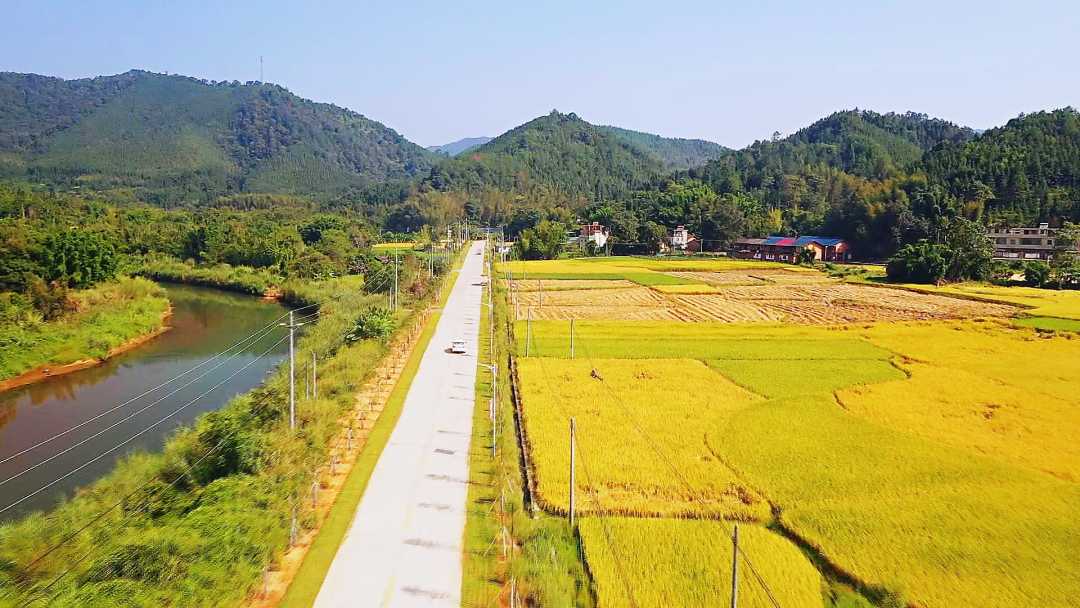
x=558, y=151
x=676, y=153
x=1028, y=169
x=861, y=143
x=178, y=139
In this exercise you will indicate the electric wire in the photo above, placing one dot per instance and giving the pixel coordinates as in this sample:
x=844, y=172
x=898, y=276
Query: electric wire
x=265, y=332
x=132, y=438
x=678, y=474
x=148, y=482
x=136, y=398
x=323, y=347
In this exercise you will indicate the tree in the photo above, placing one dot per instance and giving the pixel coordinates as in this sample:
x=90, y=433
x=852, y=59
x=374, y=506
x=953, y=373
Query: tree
x=923, y=262
x=1064, y=266
x=717, y=219
x=1037, y=273
x=653, y=235
x=375, y=323
x=545, y=241
x=313, y=230
x=78, y=258
x=971, y=252
x=806, y=256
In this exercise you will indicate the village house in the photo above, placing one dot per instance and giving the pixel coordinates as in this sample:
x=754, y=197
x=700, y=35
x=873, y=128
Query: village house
x=680, y=238
x=593, y=232
x=786, y=249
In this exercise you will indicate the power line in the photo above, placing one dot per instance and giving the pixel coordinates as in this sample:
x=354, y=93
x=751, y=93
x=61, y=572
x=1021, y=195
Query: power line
x=607, y=531
x=324, y=346
x=679, y=474
x=136, y=398
x=130, y=439
x=152, y=479
x=96, y=546
x=264, y=332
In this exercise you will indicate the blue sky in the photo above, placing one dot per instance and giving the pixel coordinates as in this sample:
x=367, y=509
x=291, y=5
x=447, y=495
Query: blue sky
x=730, y=72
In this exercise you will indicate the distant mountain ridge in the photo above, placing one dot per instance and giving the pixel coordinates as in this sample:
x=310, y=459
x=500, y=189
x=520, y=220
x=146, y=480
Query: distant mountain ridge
x=459, y=146
x=175, y=138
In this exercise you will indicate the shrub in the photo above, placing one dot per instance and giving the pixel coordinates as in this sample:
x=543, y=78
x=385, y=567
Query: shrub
x=372, y=323
x=1037, y=273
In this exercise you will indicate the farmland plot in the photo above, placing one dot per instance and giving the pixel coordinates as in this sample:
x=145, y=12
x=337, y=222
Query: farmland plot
x=814, y=304
x=918, y=486
x=626, y=474
x=687, y=563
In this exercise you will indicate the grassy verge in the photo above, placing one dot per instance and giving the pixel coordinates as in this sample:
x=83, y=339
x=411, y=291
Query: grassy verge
x=106, y=317
x=309, y=579
x=543, y=561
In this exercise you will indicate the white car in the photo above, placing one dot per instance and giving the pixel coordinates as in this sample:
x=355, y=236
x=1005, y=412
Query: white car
x=458, y=347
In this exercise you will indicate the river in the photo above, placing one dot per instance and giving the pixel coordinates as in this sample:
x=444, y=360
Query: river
x=204, y=322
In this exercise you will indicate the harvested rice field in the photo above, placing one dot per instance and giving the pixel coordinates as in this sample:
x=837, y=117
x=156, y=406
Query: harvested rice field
x=820, y=303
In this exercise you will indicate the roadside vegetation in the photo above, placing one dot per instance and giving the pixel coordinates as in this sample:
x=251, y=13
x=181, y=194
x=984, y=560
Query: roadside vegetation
x=199, y=523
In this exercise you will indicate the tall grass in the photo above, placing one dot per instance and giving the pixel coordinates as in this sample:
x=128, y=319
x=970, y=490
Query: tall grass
x=242, y=279
x=105, y=317
x=216, y=510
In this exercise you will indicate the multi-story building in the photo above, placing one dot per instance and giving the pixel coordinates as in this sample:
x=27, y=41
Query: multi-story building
x=1023, y=243
x=680, y=237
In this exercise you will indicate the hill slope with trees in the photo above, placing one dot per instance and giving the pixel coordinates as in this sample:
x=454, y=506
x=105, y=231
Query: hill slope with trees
x=555, y=152
x=677, y=153
x=175, y=139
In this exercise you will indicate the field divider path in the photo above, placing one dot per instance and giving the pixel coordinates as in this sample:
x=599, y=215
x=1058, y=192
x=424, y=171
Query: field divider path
x=404, y=545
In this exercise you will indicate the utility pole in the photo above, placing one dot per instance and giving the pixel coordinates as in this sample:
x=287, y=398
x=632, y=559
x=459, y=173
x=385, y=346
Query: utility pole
x=735, y=570
x=292, y=325
x=573, y=456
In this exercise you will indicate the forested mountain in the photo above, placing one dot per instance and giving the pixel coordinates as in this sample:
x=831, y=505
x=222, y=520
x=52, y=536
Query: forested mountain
x=459, y=146
x=861, y=143
x=555, y=152
x=175, y=139
x=1027, y=169
x=675, y=152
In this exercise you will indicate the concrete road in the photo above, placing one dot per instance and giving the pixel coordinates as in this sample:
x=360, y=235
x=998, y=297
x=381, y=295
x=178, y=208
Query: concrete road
x=404, y=546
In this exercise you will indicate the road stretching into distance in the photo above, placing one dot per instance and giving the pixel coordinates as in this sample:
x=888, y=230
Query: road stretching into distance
x=405, y=544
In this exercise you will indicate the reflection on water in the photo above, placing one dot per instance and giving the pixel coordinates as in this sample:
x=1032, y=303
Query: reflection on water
x=205, y=322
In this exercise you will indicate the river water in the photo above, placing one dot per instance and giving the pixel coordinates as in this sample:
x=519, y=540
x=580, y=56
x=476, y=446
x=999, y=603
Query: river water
x=204, y=322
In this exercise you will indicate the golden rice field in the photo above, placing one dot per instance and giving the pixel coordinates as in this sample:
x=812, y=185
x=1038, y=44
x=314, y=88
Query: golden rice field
x=933, y=460
x=634, y=482
x=687, y=563
x=1047, y=302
